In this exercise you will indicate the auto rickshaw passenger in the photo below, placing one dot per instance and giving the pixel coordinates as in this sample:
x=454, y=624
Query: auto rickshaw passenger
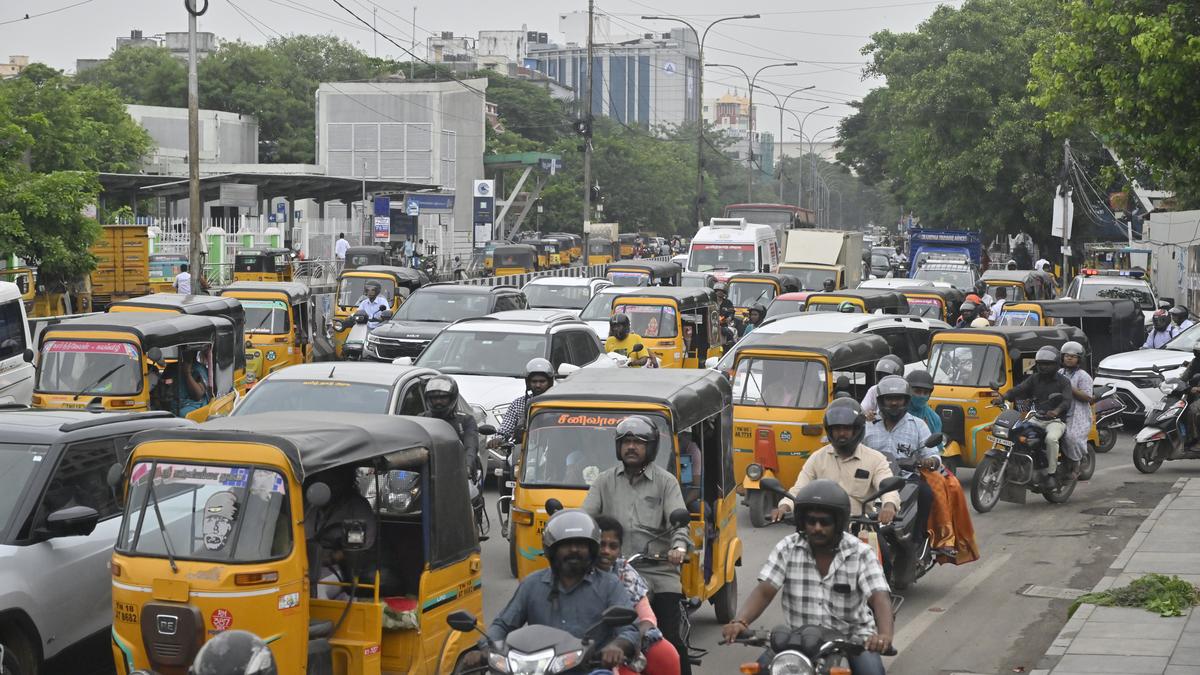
x=847, y=461
x=888, y=365
x=1179, y=319
x=1040, y=388
x=967, y=312
x=441, y=402
x=194, y=380
x=1079, y=419
x=754, y=318
x=1001, y=299
x=981, y=290
x=622, y=341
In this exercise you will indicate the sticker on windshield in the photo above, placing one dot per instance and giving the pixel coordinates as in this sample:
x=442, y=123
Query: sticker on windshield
x=88, y=347
x=220, y=512
x=264, y=304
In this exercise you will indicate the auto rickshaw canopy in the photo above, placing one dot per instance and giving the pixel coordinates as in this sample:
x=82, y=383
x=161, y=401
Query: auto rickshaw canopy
x=514, y=255
x=919, y=298
x=664, y=271
x=405, y=277
x=197, y=305
x=294, y=290
x=150, y=329
x=874, y=299
x=690, y=395
x=1036, y=284
x=1020, y=340
x=260, y=259
x=685, y=296
x=1115, y=325
x=840, y=349
x=785, y=283
x=357, y=256
x=318, y=441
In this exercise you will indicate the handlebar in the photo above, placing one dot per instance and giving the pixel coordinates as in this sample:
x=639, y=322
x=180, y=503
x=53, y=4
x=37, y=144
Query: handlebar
x=762, y=638
x=654, y=557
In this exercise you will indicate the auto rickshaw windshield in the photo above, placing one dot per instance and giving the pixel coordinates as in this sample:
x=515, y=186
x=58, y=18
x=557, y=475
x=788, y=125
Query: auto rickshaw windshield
x=967, y=365
x=747, y=293
x=89, y=367
x=570, y=448
x=206, y=512
x=352, y=290
x=650, y=321
x=930, y=308
x=785, y=383
x=266, y=316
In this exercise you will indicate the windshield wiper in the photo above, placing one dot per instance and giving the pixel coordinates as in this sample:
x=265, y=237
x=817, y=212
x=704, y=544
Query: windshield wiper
x=97, y=382
x=162, y=529
x=268, y=315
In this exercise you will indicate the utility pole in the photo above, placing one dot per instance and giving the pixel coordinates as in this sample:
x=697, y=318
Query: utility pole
x=587, y=132
x=412, y=55
x=1066, y=206
x=195, y=210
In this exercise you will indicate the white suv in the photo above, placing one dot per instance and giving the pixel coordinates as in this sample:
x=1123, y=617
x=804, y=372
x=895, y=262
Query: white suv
x=570, y=294
x=1139, y=375
x=1113, y=284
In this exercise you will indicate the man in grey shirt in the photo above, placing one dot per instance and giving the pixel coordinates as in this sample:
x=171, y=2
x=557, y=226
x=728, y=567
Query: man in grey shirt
x=641, y=496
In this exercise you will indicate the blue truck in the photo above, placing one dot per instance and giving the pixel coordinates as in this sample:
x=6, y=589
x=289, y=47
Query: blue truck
x=924, y=244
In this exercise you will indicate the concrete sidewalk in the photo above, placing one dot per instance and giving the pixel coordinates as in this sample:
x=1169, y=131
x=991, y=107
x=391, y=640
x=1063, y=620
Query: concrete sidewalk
x=1134, y=641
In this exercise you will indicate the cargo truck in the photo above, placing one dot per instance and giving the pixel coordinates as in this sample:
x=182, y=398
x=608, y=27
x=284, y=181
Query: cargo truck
x=816, y=255
x=944, y=246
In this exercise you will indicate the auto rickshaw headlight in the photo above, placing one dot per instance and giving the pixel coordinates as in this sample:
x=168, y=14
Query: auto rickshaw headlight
x=337, y=326
x=754, y=471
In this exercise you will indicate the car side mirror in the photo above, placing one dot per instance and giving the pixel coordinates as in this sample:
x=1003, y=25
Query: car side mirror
x=566, y=369
x=486, y=429
x=935, y=440
x=28, y=355
x=71, y=521
x=318, y=494
x=553, y=506
x=402, y=361
x=462, y=621
x=680, y=517
x=922, y=352
x=619, y=616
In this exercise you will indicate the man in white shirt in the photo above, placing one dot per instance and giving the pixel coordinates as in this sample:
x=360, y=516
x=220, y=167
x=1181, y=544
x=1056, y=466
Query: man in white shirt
x=340, y=247
x=183, y=280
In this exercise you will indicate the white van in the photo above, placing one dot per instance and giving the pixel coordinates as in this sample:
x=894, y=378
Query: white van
x=16, y=356
x=731, y=245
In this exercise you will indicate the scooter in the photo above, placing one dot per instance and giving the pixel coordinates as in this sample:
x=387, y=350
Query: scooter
x=906, y=552
x=1163, y=438
x=1109, y=416
x=359, y=324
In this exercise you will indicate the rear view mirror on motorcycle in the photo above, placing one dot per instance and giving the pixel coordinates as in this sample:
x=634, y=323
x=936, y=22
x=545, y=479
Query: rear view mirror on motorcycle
x=935, y=440
x=318, y=494
x=680, y=517
x=462, y=621
x=892, y=484
x=487, y=429
x=619, y=616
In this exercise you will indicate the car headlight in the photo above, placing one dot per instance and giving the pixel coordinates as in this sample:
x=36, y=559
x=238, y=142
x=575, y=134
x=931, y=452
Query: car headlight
x=530, y=664
x=754, y=471
x=791, y=663
x=565, y=662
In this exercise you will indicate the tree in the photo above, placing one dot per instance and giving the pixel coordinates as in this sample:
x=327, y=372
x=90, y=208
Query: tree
x=1127, y=69
x=142, y=75
x=955, y=135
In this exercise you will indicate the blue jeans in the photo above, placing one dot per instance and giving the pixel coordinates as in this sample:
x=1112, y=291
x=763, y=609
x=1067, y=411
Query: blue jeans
x=867, y=663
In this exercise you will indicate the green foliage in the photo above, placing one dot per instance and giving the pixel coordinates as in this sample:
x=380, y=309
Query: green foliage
x=1166, y=596
x=1127, y=69
x=955, y=134
x=142, y=75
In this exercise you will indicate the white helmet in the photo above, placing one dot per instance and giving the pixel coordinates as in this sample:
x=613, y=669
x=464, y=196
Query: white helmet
x=1073, y=348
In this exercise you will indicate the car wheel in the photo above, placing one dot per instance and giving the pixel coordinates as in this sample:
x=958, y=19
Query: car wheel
x=19, y=658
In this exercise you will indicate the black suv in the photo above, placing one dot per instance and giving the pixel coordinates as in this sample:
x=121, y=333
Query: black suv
x=426, y=312
x=58, y=523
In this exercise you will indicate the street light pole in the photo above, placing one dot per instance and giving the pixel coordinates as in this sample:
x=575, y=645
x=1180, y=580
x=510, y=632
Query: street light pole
x=699, y=212
x=195, y=213
x=750, y=132
x=812, y=155
x=782, y=107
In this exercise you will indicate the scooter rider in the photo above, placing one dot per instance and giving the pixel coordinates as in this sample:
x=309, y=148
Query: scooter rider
x=1160, y=331
x=888, y=365
x=441, y=402
x=372, y=305
x=967, y=312
x=846, y=461
x=641, y=495
x=623, y=341
x=828, y=578
x=539, y=377
x=1039, y=387
x=901, y=436
x=1191, y=421
x=569, y=595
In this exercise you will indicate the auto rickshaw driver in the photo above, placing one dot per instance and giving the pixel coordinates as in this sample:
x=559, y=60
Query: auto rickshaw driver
x=372, y=305
x=327, y=526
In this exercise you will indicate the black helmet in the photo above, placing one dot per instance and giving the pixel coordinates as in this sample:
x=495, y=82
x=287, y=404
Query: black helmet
x=641, y=428
x=234, y=652
x=889, y=365
x=823, y=495
x=570, y=524
x=890, y=386
x=619, y=319
x=920, y=379
x=757, y=307
x=1160, y=319
x=1046, y=355
x=829, y=285
x=441, y=384
x=846, y=412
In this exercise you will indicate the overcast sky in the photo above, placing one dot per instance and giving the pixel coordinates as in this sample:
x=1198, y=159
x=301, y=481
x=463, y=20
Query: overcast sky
x=824, y=36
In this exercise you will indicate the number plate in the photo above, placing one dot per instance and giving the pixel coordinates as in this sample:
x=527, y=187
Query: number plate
x=1000, y=441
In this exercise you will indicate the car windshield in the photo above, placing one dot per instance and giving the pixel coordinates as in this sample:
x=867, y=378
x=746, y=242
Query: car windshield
x=266, y=316
x=206, y=512
x=18, y=462
x=967, y=365
x=955, y=277
x=483, y=352
x=650, y=321
x=557, y=297
x=443, y=307
x=571, y=448
x=878, y=261
x=728, y=257
x=811, y=279
x=785, y=383
x=351, y=290
x=749, y=293
x=1185, y=340
x=600, y=307
x=317, y=394
x=1138, y=293
x=88, y=367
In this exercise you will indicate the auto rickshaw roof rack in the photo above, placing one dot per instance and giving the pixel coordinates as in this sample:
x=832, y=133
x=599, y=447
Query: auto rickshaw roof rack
x=841, y=349
x=692, y=395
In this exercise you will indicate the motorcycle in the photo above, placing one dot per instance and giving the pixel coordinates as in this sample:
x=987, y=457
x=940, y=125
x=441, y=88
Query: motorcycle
x=541, y=650
x=906, y=553
x=359, y=325
x=1010, y=469
x=1109, y=416
x=807, y=649
x=1164, y=437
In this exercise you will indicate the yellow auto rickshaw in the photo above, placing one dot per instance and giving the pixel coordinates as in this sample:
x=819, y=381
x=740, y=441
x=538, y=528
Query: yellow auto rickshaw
x=570, y=441
x=514, y=259
x=781, y=386
x=628, y=246
x=58, y=298
x=285, y=326
x=600, y=251
x=859, y=301
x=680, y=326
x=571, y=245
x=395, y=285
x=751, y=288
x=361, y=256
x=934, y=302
x=199, y=305
x=164, y=267
x=1018, y=285
x=1114, y=326
x=644, y=273
x=970, y=365
x=263, y=264
x=132, y=361
x=344, y=540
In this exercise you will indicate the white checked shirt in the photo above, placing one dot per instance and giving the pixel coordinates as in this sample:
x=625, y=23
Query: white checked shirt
x=837, y=601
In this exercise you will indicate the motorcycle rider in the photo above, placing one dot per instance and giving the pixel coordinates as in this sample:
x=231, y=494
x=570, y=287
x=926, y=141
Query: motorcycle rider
x=539, y=377
x=1039, y=387
x=901, y=436
x=829, y=285
x=920, y=383
x=721, y=292
x=1079, y=419
x=622, y=341
x=846, y=461
x=1191, y=421
x=888, y=365
x=1160, y=331
x=569, y=595
x=441, y=402
x=641, y=495
x=372, y=304
x=967, y=312
x=1179, y=319
x=754, y=318
x=817, y=557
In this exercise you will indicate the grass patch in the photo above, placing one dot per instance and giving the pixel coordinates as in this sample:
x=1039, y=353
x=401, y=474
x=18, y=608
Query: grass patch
x=1158, y=593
